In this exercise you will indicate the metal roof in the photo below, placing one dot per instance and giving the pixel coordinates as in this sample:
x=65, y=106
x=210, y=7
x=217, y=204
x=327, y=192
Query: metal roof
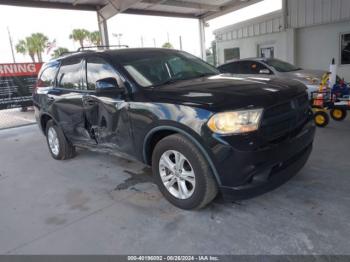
x=206, y=9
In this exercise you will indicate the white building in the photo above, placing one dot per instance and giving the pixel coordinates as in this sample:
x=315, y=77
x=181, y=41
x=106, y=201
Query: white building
x=308, y=33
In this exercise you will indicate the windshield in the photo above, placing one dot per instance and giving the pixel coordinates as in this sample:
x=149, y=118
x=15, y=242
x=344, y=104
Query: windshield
x=282, y=66
x=159, y=68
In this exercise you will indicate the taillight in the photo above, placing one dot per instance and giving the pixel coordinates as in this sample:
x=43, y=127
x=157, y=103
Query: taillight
x=39, y=84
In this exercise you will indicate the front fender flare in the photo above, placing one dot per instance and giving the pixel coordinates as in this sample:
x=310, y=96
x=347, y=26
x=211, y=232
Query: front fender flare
x=189, y=136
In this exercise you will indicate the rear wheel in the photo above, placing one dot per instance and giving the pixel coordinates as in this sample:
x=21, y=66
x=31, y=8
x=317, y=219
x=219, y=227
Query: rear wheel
x=321, y=119
x=338, y=114
x=182, y=173
x=60, y=148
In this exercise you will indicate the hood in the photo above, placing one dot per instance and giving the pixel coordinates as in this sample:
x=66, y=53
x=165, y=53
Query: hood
x=227, y=92
x=304, y=75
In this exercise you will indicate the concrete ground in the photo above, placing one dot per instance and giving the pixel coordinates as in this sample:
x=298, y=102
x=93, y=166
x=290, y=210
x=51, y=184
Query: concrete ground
x=14, y=117
x=103, y=204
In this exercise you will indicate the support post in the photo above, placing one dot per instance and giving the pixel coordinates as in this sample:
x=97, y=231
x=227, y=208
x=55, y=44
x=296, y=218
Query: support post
x=180, y=42
x=202, y=38
x=285, y=14
x=102, y=27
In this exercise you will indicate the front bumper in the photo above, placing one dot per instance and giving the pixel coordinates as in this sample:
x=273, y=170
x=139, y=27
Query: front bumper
x=247, y=173
x=268, y=180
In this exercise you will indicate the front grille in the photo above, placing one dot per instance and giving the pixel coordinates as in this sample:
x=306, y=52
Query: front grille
x=284, y=120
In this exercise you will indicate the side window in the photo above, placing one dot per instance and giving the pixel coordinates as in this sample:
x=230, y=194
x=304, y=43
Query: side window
x=252, y=67
x=97, y=69
x=69, y=75
x=261, y=69
x=232, y=68
x=47, y=77
x=247, y=67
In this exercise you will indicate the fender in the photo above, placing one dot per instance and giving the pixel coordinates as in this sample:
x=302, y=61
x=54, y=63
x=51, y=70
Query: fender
x=49, y=115
x=189, y=136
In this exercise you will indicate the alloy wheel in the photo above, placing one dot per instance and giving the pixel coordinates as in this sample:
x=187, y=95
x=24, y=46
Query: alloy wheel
x=177, y=174
x=53, y=141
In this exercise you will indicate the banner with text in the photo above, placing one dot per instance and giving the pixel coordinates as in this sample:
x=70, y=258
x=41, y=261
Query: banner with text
x=16, y=84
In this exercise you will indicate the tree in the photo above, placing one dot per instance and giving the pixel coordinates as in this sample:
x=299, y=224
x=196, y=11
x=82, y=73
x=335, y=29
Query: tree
x=26, y=46
x=35, y=44
x=79, y=35
x=40, y=42
x=95, y=38
x=167, y=45
x=59, y=51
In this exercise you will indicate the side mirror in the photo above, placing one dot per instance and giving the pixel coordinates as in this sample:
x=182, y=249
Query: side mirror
x=107, y=86
x=264, y=72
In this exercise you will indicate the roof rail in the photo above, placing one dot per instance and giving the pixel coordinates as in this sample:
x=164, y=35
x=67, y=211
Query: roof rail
x=67, y=53
x=87, y=49
x=101, y=47
x=72, y=52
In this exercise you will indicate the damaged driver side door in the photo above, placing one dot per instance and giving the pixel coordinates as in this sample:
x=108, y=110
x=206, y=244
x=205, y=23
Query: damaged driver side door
x=105, y=106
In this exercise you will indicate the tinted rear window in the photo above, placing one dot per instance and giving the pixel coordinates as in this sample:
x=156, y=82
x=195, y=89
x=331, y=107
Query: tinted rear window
x=47, y=77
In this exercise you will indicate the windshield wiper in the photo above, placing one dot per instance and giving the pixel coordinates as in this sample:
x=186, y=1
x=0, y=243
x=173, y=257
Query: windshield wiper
x=167, y=82
x=173, y=80
x=206, y=74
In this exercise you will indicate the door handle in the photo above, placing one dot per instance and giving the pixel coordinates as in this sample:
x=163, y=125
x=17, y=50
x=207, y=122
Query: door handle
x=50, y=98
x=89, y=101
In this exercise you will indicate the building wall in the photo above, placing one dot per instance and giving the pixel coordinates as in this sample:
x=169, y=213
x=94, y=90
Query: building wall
x=249, y=35
x=317, y=45
x=304, y=13
x=311, y=40
x=267, y=24
x=249, y=46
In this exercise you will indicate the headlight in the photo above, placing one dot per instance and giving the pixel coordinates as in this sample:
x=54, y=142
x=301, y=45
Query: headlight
x=235, y=122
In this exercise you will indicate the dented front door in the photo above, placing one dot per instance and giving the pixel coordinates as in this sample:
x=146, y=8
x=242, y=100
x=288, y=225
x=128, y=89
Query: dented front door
x=106, y=115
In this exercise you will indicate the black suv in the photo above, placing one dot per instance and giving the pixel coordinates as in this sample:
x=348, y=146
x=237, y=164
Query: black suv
x=202, y=132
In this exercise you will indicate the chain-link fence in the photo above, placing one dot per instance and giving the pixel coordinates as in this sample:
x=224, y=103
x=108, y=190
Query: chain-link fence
x=16, y=117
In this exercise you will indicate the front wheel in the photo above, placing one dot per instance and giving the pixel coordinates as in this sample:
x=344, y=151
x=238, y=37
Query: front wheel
x=60, y=148
x=182, y=173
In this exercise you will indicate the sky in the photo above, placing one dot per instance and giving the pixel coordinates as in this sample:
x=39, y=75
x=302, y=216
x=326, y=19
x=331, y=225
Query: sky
x=135, y=30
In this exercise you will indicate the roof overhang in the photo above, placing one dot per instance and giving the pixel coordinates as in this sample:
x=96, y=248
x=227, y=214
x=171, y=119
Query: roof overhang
x=200, y=9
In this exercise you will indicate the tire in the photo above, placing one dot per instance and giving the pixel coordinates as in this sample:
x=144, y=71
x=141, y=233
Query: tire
x=338, y=114
x=64, y=149
x=321, y=119
x=203, y=187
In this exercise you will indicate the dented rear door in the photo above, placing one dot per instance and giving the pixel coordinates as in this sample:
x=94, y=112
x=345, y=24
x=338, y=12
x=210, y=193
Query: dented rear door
x=66, y=98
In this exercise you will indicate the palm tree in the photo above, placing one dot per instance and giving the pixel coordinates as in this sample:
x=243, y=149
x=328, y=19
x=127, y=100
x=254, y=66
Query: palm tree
x=59, y=51
x=26, y=46
x=95, y=38
x=79, y=35
x=35, y=44
x=40, y=42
